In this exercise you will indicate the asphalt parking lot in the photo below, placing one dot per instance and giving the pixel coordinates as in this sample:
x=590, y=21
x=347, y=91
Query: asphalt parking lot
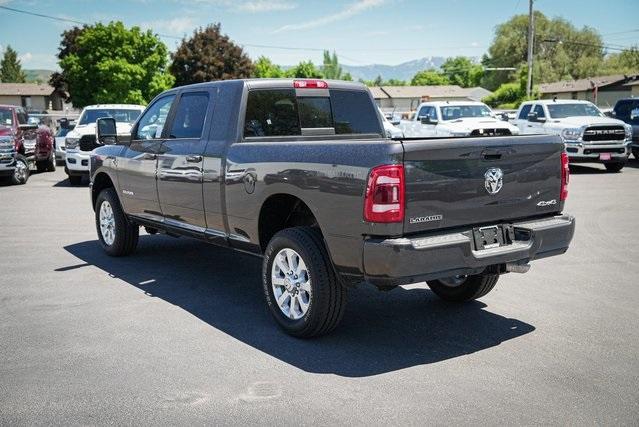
x=179, y=332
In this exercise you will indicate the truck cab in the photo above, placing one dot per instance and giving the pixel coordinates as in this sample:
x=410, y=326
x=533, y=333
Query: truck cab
x=80, y=140
x=455, y=119
x=627, y=110
x=589, y=135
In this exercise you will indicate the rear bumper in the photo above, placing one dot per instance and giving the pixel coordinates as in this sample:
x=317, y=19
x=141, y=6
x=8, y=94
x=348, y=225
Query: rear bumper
x=389, y=262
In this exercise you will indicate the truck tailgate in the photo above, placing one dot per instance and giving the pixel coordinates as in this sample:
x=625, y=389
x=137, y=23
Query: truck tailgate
x=455, y=182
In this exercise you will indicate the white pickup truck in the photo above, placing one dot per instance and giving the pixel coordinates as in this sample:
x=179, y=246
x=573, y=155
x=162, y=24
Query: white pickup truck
x=455, y=118
x=81, y=140
x=589, y=135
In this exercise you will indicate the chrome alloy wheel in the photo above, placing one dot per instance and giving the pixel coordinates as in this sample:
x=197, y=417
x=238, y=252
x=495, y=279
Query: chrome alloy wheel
x=107, y=223
x=291, y=284
x=453, y=281
x=20, y=172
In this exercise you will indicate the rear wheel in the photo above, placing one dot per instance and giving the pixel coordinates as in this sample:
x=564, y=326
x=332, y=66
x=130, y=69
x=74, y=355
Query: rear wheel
x=615, y=167
x=463, y=288
x=302, y=290
x=21, y=172
x=46, y=165
x=118, y=237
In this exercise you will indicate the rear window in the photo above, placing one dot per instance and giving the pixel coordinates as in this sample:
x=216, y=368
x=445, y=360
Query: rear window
x=315, y=112
x=353, y=112
x=278, y=112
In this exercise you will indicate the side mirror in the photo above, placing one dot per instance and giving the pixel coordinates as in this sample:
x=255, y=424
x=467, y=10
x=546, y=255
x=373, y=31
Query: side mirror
x=426, y=120
x=532, y=117
x=30, y=126
x=634, y=114
x=106, y=131
x=395, y=122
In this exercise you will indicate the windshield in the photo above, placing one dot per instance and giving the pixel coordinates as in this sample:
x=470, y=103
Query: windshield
x=120, y=115
x=561, y=111
x=6, y=118
x=454, y=112
x=63, y=132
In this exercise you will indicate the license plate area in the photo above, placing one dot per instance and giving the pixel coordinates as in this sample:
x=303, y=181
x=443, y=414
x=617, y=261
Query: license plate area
x=493, y=236
x=605, y=156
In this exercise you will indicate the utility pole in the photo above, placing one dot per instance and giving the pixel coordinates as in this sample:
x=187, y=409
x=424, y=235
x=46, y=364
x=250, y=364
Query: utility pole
x=531, y=35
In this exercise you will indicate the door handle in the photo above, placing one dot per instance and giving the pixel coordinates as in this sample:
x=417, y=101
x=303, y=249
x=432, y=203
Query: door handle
x=194, y=159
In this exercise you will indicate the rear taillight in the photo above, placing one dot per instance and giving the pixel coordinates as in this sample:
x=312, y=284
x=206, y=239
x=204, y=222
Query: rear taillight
x=310, y=84
x=384, y=200
x=565, y=176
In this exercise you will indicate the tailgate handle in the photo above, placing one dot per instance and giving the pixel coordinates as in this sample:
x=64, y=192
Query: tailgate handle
x=487, y=155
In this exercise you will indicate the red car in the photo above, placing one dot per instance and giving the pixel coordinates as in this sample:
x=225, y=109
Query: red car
x=22, y=144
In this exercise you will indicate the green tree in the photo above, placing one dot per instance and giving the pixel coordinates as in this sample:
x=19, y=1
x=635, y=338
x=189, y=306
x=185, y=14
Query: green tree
x=209, y=55
x=114, y=64
x=305, y=70
x=264, y=68
x=462, y=71
x=347, y=76
x=331, y=68
x=510, y=95
x=624, y=62
x=429, y=78
x=10, y=68
x=561, y=51
x=68, y=45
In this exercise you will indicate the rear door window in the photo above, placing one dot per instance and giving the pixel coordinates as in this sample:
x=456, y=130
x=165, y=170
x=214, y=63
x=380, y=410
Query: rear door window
x=272, y=112
x=539, y=110
x=525, y=110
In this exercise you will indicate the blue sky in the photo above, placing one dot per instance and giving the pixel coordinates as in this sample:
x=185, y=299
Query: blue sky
x=361, y=31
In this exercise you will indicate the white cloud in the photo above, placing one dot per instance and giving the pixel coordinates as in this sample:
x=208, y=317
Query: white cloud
x=175, y=26
x=25, y=57
x=349, y=11
x=256, y=6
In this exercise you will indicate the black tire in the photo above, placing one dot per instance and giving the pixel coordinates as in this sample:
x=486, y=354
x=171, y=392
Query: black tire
x=75, y=179
x=51, y=163
x=471, y=288
x=20, y=175
x=614, y=167
x=636, y=154
x=328, y=296
x=126, y=233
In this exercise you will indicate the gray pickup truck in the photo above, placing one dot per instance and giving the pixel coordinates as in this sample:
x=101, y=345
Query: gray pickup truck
x=300, y=173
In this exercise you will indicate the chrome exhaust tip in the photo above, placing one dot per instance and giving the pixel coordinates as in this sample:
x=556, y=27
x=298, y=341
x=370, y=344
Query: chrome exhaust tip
x=513, y=267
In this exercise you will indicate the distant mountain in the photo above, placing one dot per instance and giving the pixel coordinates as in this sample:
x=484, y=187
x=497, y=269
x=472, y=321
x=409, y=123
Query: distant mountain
x=33, y=76
x=403, y=71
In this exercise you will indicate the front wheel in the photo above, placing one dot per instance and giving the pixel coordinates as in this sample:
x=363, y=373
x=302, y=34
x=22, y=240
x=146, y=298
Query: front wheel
x=614, y=167
x=75, y=179
x=463, y=288
x=21, y=172
x=302, y=290
x=118, y=237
